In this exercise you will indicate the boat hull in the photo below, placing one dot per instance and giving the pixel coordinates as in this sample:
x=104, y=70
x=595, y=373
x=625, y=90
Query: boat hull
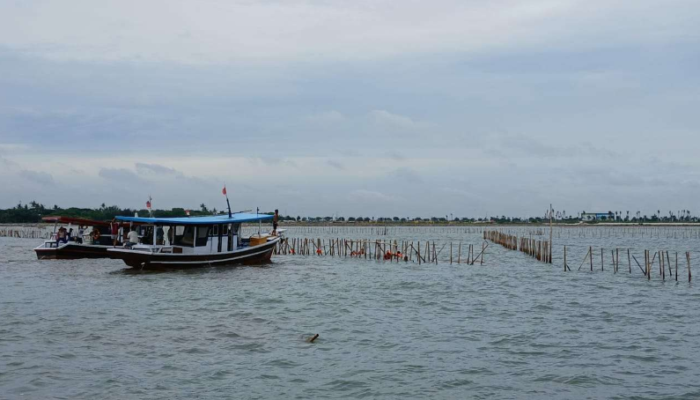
x=166, y=261
x=72, y=251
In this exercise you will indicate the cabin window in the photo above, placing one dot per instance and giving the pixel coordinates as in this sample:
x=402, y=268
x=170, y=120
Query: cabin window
x=186, y=238
x=219, y=235
x=202, y=235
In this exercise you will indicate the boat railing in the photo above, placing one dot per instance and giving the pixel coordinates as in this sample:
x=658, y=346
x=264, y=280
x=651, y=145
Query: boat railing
x=156, y=249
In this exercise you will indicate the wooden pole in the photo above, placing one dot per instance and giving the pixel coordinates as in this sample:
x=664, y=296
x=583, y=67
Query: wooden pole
x=629, y=262
x=483, y=250
x=584, y=259
x=549, y=245
x=648, y=267
x=663, y=266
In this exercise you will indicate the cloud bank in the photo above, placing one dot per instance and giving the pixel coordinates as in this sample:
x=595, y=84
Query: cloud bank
x=362, y=108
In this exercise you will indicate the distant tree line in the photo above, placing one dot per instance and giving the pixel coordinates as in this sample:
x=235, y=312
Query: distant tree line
x=33, y=212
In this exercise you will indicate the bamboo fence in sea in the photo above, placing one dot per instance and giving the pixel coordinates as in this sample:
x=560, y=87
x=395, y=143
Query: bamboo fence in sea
x=24, y=232
x=542, y=251
x=423, y=252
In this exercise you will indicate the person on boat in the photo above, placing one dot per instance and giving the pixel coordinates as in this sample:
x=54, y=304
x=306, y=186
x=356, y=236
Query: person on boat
x=132, y=238
x=70, y=234
x=160, y=235
x=274, y=223
x=114, y=227
x=62, y=236
x=95, y=235
x=81, y=232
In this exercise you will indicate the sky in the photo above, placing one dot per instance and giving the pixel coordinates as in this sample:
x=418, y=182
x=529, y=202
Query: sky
x=362, y=108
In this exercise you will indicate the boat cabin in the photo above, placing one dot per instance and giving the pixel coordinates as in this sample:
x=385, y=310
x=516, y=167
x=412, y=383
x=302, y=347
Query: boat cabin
x=80, y=230
x=195, y=235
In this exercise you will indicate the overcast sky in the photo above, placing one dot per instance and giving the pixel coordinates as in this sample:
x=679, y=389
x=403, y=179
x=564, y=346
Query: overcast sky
x=360, y=108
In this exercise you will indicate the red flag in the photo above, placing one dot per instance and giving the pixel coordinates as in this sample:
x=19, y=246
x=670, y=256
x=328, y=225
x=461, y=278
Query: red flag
x=224, y=191
x=148, y=204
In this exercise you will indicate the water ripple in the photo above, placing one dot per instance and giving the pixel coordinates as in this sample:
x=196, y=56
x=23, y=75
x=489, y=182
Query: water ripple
x=510, y=329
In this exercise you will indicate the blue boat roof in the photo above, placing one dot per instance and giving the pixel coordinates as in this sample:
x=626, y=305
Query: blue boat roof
x=209, y=220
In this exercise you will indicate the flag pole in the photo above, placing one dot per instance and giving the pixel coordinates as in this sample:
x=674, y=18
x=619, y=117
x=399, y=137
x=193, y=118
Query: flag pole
x=227, y=202
x=257, y=211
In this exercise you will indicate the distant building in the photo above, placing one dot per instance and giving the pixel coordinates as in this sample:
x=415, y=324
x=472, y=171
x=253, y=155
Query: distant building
x=596, y=216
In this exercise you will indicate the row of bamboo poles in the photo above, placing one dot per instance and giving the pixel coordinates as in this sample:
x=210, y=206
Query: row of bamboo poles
x=364, y=230
x=559, y=231
x=604, y=232
x=25, y=233
x=664, y=261
x=538, y=249
x=542, y=251
x=397, y=251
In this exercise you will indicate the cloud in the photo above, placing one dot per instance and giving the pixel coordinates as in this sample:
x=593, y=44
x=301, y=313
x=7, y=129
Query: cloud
x=370, y=196
x=360, y=30
x=11, y=147
x=9, y=164
x=275, y=161
x=335, y=164
x=120, y=175
x=407, y=175
x=155, y=169
x=393, y=94
x=396, y=156
x=42, y=178
x=327, y=118
x=396, y=120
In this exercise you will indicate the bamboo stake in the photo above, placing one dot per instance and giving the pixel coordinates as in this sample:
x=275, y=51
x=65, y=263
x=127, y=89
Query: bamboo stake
x=483, y=249
x=584, y=260
x=663, y=266
x=629, y=262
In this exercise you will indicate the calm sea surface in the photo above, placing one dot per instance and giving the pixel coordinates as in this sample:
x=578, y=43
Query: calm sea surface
x=511, y=329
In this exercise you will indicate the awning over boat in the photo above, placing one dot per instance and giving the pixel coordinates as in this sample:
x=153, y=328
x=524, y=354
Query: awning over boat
x=211, y=220
x=71, y=220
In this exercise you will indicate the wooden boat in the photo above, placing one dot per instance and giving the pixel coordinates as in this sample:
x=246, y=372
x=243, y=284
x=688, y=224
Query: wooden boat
x=81, y=245
x=175, y=243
